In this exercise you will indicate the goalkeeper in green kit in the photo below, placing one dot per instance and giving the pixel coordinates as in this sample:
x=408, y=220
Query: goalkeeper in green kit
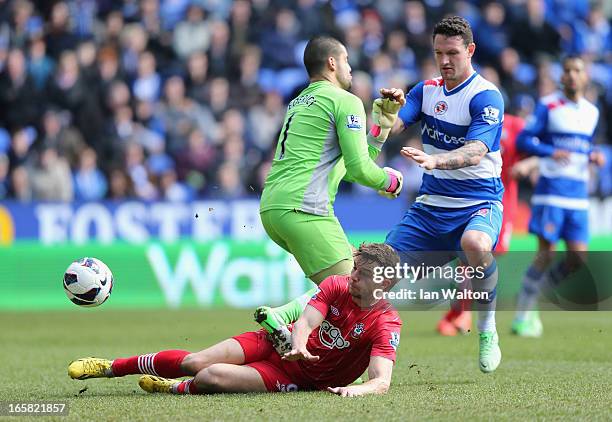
x=323, y=141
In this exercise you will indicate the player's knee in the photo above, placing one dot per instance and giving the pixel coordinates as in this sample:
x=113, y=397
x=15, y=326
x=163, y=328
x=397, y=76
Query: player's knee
x=476, y=242
x=210, y=378
x=194, y=363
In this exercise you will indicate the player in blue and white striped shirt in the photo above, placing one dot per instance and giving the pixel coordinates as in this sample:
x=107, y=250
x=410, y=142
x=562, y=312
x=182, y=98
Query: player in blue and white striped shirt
x=561, y=133
x=458, y=211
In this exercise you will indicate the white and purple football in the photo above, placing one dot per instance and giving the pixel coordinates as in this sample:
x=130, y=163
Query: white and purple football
x=88, y=282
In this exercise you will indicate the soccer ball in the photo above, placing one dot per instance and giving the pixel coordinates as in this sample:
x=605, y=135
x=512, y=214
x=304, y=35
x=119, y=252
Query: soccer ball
x=88, y=282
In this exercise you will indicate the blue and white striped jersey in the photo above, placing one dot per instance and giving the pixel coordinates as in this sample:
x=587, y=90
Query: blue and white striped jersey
x=559, y=123
x=473, y=110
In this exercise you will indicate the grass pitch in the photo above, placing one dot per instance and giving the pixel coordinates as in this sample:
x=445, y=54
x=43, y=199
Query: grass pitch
x=565, y=375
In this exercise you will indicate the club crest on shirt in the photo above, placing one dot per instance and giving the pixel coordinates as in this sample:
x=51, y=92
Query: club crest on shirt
x=440, y=108
x=490, y=115
x=481, y=212
x=353, y=122
x=357, y=330
x=331, y=336
x=394, y=340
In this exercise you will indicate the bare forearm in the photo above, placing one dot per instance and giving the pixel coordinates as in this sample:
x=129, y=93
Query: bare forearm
x=373, y=386
x=468, y=155
x=300, y=333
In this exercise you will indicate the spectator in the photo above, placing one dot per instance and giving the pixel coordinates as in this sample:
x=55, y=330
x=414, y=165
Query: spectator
x=40, y=66
x=69, y=90
x=124, y=130
x=20, y=185
x=108, y=71
x=248, y=88
x=147, y=85
x=89, y=182
x=83, y=16
x=277, y=43
x=23, y=24
x=145, y=116
x=172, y=189
x=265, y=120
x=59, y=38
x=118, y=95
x=197, y=77
x=58, y=134
x=593, y=37
x=229, y=184
x=403, y=56
x=218, y=53
x=120, y=186
x=353, y=37
x=110, y=34
x=373, y=37
x=534, y=36
x=139, y=176
x=516, y=77
x=490, y=33
x=18, y=95
x=86, y=56
x=50, y=177
x=21, y=141
x=134, y=40
x=232, y=124
x=243, y=30
x=193, y=34
x=195, y=163
x=417, y=30
x=362, y=87
x=218, y=97
x=180, y=115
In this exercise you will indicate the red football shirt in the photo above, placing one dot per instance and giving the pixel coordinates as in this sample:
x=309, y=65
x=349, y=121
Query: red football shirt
x=513, y=125
x=347, y=338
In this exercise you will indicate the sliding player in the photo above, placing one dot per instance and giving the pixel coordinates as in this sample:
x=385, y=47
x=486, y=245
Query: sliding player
x=323, y=141
x=561, y=133
x=343, y=331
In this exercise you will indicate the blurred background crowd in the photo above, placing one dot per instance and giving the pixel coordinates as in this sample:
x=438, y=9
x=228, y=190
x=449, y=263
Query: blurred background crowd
x=179, y=99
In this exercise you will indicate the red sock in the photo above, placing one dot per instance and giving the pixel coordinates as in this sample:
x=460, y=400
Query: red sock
x=466, y=304
x=187, y=387
x=165, y=364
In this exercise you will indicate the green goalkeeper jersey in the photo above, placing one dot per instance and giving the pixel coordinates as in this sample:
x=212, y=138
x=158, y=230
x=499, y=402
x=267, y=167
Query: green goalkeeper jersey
x=322, y=141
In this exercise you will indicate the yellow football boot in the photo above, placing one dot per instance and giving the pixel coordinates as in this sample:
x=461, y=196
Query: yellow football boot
x=153, y=384
x=82, y=369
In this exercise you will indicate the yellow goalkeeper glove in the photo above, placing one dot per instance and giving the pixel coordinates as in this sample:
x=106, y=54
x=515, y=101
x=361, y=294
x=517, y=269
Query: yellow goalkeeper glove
x=384, y=115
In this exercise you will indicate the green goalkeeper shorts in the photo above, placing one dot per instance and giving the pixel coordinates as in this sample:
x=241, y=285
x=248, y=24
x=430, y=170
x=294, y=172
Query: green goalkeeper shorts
x=315, y=241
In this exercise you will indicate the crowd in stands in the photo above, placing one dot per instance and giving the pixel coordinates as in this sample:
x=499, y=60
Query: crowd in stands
x=183, y=99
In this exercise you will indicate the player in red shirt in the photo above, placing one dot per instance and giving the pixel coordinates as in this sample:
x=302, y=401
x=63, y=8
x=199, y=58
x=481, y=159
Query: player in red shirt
x=459, y=318
x=344, y=330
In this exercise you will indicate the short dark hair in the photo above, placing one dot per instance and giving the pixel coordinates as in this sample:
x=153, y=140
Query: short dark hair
x=318, y=50
x=453, y=26
x=377, y=255
x=570, y=57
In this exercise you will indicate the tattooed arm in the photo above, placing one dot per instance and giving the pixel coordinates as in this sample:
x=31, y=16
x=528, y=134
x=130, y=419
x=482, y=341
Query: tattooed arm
x=468, y=155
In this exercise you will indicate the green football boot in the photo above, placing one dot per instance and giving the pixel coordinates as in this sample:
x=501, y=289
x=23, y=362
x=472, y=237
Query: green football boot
x=489, y=353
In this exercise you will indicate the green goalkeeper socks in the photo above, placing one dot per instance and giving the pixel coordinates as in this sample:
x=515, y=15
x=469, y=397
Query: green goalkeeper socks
x=290, y=312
